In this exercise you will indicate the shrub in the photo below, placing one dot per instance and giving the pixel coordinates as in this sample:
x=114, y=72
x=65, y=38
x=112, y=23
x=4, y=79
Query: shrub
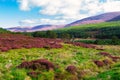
x=114, y=58
x=107, y=62
x=37, y=64
x=25, y=64
x=105, y=54
x=46, y=47
x=4, y=49
x=72, y=69
x=99, y=63
x=33, y=74
x=12, y=41
x=49, y=65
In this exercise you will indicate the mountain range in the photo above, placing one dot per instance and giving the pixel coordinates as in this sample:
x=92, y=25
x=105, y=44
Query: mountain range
x=35, y=28
x=106, y=17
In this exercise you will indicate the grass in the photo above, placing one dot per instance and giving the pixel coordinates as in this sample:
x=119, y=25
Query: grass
x=100, y=41
x=82, y=58
x=113, y=74
x=104, y=30
x=92, y=26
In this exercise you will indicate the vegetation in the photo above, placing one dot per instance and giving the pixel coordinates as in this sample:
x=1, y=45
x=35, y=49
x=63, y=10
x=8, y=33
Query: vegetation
x=3, y=31
x=44, y=34
x=28, y=58
x=16, y=41
x=70, y=63
x=99, y=30
x=105, y=30
x=113, y=74
x=113, y=41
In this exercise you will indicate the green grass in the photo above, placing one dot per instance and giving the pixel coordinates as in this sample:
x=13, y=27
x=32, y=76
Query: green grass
x=103, y=30
x=112, y=74
x=100, y=41
x=82, y=58
x=94, y=26
x=4, y=30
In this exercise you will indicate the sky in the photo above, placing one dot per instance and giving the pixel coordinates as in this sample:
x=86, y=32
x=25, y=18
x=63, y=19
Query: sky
x=28, y=13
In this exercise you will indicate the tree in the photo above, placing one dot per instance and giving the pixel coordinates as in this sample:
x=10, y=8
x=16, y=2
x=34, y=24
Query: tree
x=39, y=34
x=65, y=37
x=51, y=34
x=115, y=40
x=72, y=38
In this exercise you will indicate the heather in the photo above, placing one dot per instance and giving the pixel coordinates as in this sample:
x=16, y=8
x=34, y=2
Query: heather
x=66, y=63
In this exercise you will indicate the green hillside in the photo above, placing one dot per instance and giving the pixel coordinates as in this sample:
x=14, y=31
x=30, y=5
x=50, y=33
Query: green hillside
x=3, y=30
x=99, y=30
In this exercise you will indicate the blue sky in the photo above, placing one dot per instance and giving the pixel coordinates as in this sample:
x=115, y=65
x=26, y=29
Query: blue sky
x=27, y=13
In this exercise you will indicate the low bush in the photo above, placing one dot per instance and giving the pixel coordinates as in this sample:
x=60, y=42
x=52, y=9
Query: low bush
x=101, y=41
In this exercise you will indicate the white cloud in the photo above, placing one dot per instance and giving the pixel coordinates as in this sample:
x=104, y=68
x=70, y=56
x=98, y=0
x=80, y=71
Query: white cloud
x=70, y=10
x=24, y=5
x=111, y=6
x=42, y=21
x=27, y=22
x=51, y=21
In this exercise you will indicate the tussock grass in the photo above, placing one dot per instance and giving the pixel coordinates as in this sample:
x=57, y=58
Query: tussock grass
x=80, y=57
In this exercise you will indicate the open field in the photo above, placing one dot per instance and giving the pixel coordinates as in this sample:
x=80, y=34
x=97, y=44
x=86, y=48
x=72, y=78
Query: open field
x=81, y=58
x=60, y=40
x=27, y=58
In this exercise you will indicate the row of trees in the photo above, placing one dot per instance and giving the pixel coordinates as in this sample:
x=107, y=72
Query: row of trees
x=51, y=34
x=114, y=41
x=103, y=33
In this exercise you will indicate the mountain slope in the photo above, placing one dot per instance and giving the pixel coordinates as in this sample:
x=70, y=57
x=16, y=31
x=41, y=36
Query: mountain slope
x=3, y=30
x=98, y=30
x=115, y=19
x=18, y=29
x=35, y=28
x=106, y=17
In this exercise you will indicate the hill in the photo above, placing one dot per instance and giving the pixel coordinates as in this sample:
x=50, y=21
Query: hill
x=28, y=58
x=3, y=30
x=98, y=30
x=106, y=17
x=35, y=28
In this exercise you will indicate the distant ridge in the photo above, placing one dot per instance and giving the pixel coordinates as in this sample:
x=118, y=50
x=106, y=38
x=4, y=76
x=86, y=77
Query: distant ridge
x=35, y=28
x=106, y=17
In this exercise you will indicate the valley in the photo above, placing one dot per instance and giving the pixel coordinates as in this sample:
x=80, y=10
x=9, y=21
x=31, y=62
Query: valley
x=88, y=49
x=26, y=58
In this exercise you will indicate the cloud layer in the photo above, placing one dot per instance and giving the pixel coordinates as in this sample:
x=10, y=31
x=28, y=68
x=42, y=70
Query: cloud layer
x=69, y=10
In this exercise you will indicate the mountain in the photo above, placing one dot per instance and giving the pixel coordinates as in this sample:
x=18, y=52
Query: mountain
x=104, y=30
x=35, y=28
x=18, y=29
x=106, y=17
x=46, y=27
